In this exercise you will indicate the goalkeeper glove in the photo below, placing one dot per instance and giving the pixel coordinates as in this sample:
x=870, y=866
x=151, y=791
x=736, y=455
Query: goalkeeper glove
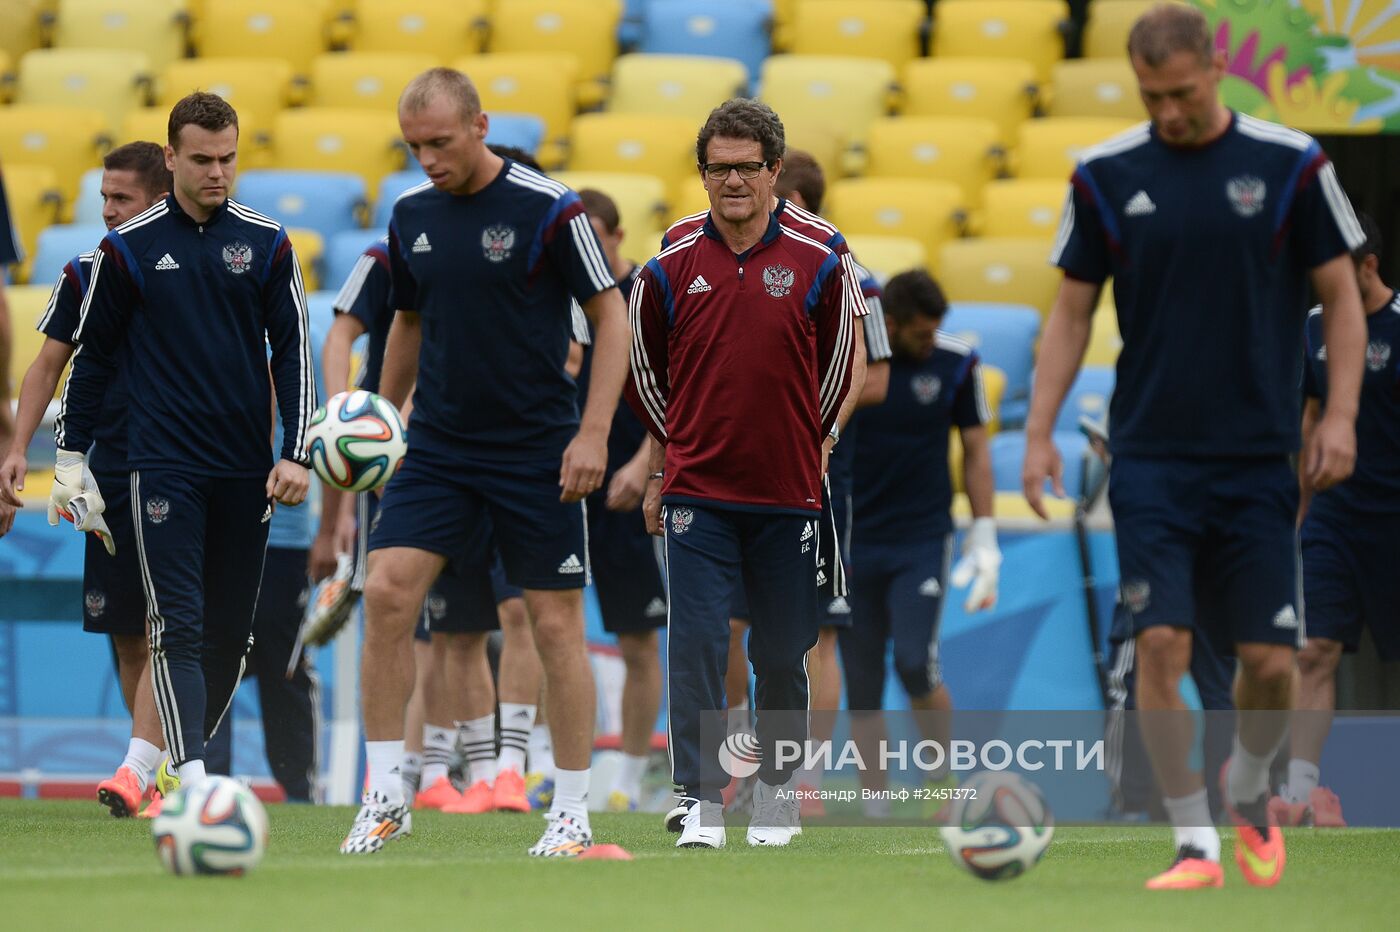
x=980, y=565
x=76, y=498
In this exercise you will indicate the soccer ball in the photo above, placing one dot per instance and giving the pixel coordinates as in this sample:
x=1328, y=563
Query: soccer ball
x=214, y=827
x=356, y=441
x=1001, y=829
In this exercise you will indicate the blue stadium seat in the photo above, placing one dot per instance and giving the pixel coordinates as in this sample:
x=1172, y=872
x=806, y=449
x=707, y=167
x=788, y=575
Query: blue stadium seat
x=1009, y=454
x=522, y=130
x=716, y=28
x=1088, y=395
x=342, y=252
x=327, y=202
x=58, y=244
x=88, y=207
x=1004, y=336
x=389, y=189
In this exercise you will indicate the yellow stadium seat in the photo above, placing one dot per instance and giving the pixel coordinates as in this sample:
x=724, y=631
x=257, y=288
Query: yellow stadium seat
x=6, y=78
x=67, y=141
x=293, y=32
x=152, y=124
x=21, y=32
x=331, y=139
x=1105, y=342
x=784, y=18
x=444, y=29
x=994, y=385
x=1102, y=87
x=675, y=85
x=692, y=199
x=641, y=206
x=1026, y=29
x=823, y=140
x=1106, y=32
x=94, y=79
x=887, y=255
x=584, y=28
x=1023, y=208
x=885, y=29
x=927, y=211
x=257, y=88
x=846, y=94
x=1050, y=148
x=34, y=200
x=541, y=84
x=155, y=27
x=1012, y=511
x=309, y=247
x=962, y=150
x=27, y=305
x=999, y=89
x=636, y=143
x=367, y=80
x=1002, y=271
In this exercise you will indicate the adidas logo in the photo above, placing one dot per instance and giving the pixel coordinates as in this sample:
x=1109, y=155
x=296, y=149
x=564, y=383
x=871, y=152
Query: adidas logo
x=699, y=286
x=166, y=262
x=1286, y=619
x=572, y=564
x=807, y=531
x=655, y=608
x=930, y=587
x=838, y=606
x=1139, y=205
x=821, y=578
x=523, y=713
x=421, y=244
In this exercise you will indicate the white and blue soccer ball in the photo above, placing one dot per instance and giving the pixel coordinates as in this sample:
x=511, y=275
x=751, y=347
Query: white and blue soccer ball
x=356, y=441
x=1000, y=828
x=216, y=826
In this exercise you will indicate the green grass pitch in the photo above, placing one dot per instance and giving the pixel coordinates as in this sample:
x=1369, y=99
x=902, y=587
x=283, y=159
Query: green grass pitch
x=68, y=865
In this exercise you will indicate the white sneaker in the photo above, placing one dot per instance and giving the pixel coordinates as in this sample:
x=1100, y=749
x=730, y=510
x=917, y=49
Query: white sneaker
x=676, y=816
x=564, y=837
x=775, y=821
x=379, y=820
x=702, y=826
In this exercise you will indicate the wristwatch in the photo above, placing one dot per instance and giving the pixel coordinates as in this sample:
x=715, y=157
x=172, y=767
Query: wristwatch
x=835, y=435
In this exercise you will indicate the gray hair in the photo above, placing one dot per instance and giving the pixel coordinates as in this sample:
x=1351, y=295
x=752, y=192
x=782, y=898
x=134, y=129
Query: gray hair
x=743, y=118
x=1169, y=28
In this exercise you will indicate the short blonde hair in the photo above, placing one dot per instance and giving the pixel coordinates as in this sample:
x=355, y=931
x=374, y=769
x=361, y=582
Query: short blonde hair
x=441, y=82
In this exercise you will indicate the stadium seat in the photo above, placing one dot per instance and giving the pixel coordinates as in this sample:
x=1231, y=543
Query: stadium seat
x=1004, y=336
x=112, y=81
x=33, y=195
x=847, y=94
x=152, y=124
x=27, y=305
x=1002, y=271
x=886, y=29
x=156, y=28
x=586, y=29
x=1031, y=30
x=999, y=89
x=1106, y=31
x=87, y=207
x=1090, y=87
x=310, y=247
x=1026, y=208
x=367, y=80
x=59, y=243
x=444, y=29
x=641, y=202
x=962, y=150
x=529, y=83
x=1105, y=343
x=735, y=29
x=342, y=252
x=327, y=202
x=1088, y=395
x=822, y=139
x=1051, y=147
x=1009, y=455
x=636, y=144
x=887, y=255
x=63, y=140
x=390, y=187
x=675, y=85
x=520, y=130
x=993, y=384
x=926, y=211
x=693, y=199
x=365, y=142
x=257, y=88
x=291, y=32
x=22, y=26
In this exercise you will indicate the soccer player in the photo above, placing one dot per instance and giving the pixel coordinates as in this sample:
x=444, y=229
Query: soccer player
x=203, y=479
x=484, y=259
x=134, y=177
x=1211, y=224
x=742, y=355
x=1349, y=537
x=10, y=254
x=901, y=535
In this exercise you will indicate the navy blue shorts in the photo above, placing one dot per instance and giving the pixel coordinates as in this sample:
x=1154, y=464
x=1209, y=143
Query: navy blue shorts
x=113, y=600
x=897, y=595
x=833, y=557
x=1209, y=544
x=1351, y=577
x=626, y=571
x=435, y=503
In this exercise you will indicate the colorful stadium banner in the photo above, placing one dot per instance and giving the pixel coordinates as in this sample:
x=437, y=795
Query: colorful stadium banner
x=1324, y=66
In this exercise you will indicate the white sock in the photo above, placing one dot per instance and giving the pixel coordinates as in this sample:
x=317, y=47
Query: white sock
x=438, y=743
x=1192, y=825
x=191, y=772
x=517, y=727
x=571, y=794
x=1303, y=777
x=142, y=758
x=385, y=776
x=478, y=737
x=629, y=776
x=1248, y=778
x=542, y=750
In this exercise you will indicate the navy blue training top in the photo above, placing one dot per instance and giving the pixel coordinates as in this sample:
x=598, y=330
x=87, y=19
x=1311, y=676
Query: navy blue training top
x=365, y=296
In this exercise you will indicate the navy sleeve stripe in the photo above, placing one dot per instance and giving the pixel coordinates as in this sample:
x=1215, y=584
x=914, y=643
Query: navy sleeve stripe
x=349, y=292
x=592, y=254
x=643, y=375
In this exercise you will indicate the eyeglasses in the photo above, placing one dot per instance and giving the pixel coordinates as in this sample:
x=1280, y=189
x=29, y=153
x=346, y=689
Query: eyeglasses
x=719, y=171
